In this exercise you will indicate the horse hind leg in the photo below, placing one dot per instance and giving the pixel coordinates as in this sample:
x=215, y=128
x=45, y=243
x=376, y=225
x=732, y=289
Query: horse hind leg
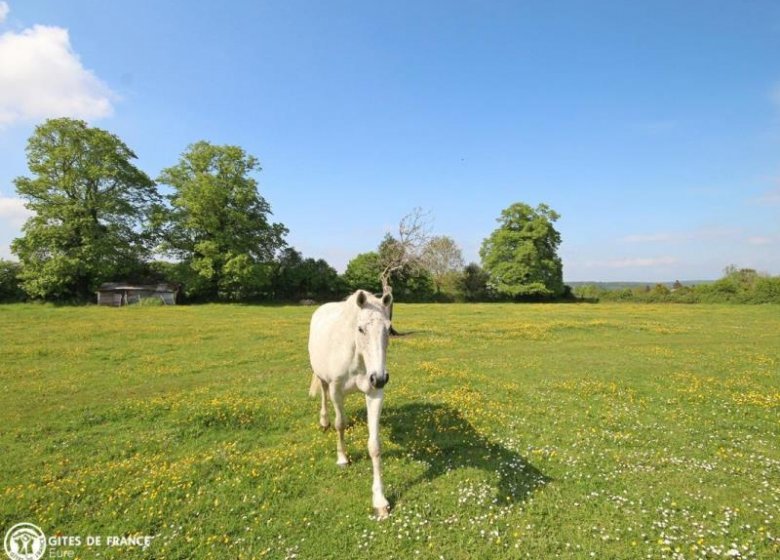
x=324, y=420
x=322, y=386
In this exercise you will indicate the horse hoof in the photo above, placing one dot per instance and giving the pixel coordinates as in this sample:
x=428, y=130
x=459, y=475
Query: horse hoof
x=324, y=428
x=382, y=512
x=342, y=465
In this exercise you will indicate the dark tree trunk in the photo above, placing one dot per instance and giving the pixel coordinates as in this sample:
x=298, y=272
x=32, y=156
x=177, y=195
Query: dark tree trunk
x=388, y=289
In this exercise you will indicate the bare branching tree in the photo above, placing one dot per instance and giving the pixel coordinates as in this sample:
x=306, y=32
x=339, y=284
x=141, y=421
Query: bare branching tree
x=414, y=232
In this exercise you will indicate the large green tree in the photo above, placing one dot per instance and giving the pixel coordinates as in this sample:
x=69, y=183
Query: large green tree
x=521, y=255
x=218, y=223
x=92, y=211
x=296, y=278
x=10, y=290
x=410, y=283
x=363, y=272
x=473, y=283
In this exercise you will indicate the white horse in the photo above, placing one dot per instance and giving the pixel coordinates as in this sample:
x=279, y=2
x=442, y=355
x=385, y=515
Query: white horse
x=348, y=351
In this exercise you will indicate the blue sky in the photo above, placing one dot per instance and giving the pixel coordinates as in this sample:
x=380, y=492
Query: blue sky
x=653, y=128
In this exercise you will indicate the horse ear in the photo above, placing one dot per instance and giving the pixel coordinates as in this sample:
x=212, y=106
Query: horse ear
x=361, y=298
x=387, y=300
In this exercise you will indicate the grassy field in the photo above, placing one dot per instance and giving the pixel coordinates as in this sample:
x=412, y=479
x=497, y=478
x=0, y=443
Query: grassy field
x=509, y=431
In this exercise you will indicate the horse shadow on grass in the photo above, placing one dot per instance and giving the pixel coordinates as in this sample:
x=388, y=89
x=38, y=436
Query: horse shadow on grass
x=441, y=438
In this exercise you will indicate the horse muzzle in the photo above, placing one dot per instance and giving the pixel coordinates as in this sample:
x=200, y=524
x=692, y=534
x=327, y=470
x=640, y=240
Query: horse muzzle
x=379, y=381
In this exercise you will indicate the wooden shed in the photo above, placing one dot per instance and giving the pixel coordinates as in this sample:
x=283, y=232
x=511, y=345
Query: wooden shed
x=119, y=293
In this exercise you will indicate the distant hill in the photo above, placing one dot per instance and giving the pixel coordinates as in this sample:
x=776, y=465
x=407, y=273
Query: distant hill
x=623, y=285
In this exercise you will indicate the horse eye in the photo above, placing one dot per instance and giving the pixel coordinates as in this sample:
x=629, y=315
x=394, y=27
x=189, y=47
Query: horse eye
x=362, y=330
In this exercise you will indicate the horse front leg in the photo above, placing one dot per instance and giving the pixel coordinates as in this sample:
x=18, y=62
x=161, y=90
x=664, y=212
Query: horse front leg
x=337, y=398
x=374, y=409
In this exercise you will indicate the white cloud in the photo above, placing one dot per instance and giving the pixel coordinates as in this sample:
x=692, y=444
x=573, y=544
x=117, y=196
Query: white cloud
x=635, y=262
x=13, y=214
x=650, y=238
x=5, y=253
x=761, y=240
x=769, y=198
x=774, y=95
x=702, y=234
x=42, y=77
x=4, y=9
x=12, y=211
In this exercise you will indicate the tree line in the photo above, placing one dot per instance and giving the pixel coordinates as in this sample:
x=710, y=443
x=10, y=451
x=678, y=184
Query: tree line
x=737, y=285
x=202, y=224
x=98, y=218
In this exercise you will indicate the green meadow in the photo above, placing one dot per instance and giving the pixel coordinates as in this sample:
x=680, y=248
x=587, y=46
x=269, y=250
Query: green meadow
x=509, y=431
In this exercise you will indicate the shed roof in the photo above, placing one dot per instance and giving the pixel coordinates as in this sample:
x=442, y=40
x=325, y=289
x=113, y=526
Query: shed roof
x=126, y=286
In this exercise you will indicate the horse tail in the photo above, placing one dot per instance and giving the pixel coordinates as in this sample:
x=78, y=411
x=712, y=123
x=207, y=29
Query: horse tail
x=315, y=384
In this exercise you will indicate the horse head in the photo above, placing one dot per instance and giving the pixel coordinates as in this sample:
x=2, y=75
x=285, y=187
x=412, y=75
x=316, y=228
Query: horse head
x=372, y=331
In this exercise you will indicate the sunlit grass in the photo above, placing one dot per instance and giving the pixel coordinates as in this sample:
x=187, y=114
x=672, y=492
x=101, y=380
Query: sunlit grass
x=509, y=431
